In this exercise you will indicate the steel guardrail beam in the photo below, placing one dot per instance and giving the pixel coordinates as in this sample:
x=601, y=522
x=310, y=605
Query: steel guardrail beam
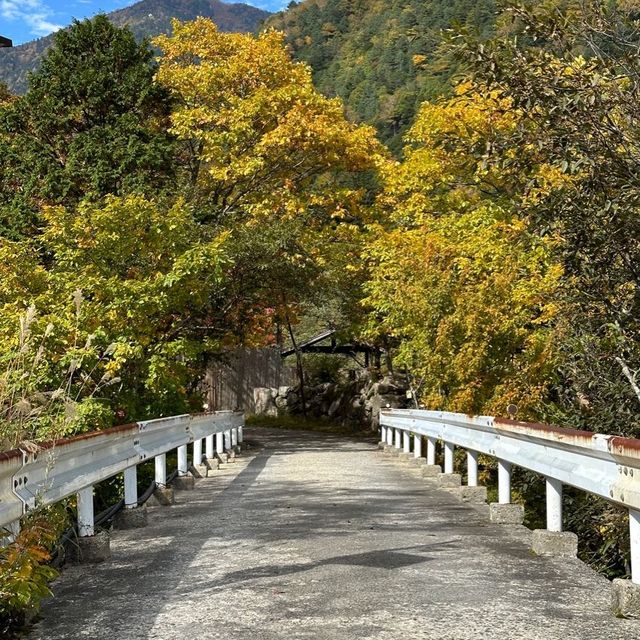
x=63, y=467
x=605, y=465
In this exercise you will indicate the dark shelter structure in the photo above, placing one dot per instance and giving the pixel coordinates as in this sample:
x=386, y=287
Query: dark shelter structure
x=5, y=42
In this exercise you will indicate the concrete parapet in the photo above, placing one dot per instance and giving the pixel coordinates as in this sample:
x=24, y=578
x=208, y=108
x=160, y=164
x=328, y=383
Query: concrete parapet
x=506, y=513
x=625, y=598
x=223, y=458
x=184, y=483
x=431, y=470
x=90, y=550
x=562, y=544
x=212, y=464
x=162, y=497
x=135, y=518
x=473, y=494
x=394, y=451
x=417, y=462
x=449, y=480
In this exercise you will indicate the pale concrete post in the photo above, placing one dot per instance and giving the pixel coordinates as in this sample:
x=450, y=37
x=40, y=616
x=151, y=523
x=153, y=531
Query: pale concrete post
x=431, y=451
x=240, y=434
x=448, y=457
x=220, y=442
x=554, y=505
x=161, y=469
x=417, y=445
x=209, y=453
x=182, y=460
x=406, y=442
x=383, y=434
x=472, y=468
x=389, y=436
x=131, y=487
x=227, y=440
x=85, y=512
x=634, y=535
x=197, y=452
x=234, y=437
x=504, y=482
x=397, y=439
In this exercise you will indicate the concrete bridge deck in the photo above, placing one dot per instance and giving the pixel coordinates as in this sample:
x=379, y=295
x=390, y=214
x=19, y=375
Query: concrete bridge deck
x=317, y=537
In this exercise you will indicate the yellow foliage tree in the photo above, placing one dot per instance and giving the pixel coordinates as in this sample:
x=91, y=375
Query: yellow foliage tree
x=271, y=160
x=456, y=278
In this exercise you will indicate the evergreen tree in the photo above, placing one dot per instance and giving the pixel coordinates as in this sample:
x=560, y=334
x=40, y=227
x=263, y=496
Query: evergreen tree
x=92, y=123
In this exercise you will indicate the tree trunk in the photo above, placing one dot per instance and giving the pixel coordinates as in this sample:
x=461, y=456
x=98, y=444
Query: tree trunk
x=299, y=368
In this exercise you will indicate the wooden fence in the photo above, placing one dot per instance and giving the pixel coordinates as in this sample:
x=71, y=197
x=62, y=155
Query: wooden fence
x=231, y=382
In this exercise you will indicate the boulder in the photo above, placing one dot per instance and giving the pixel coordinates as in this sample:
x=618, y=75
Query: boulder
x=264, y=402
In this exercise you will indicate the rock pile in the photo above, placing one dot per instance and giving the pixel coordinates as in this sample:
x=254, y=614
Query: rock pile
x=356, y=401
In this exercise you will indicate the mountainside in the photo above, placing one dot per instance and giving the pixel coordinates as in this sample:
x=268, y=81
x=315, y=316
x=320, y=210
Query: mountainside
x=363, y=51
x=147, y=18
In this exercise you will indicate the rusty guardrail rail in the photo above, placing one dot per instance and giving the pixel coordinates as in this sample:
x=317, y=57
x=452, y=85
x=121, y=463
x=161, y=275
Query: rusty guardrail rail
x=605, y=465
x=74, y=465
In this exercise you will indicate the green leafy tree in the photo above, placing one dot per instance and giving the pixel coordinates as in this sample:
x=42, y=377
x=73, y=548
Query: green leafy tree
x=92, y=123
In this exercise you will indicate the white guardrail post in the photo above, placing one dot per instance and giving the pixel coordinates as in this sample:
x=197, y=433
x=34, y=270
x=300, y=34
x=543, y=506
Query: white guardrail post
x=85, y=512
x=431, y=451
x=472, y=468
x=406, y=442
x=504, y=482
x=607, y=466
x=417, y=446
x=554, y=505
x=448, y=457
x=396, y=438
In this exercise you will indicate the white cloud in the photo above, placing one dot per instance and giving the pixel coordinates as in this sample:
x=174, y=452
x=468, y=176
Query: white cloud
x=34, y=13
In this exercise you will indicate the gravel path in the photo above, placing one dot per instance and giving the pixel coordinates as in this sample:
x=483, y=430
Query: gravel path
x=316, y=537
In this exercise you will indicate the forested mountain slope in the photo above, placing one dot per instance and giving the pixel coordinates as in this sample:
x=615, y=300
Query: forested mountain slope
x=363, y=51
x=147, y=18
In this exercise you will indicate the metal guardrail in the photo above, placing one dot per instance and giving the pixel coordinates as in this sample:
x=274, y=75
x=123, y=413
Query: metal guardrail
x=605, y=465
x=73, y=465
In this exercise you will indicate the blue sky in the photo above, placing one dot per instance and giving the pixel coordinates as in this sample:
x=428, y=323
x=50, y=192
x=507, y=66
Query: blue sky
x=24, y=20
